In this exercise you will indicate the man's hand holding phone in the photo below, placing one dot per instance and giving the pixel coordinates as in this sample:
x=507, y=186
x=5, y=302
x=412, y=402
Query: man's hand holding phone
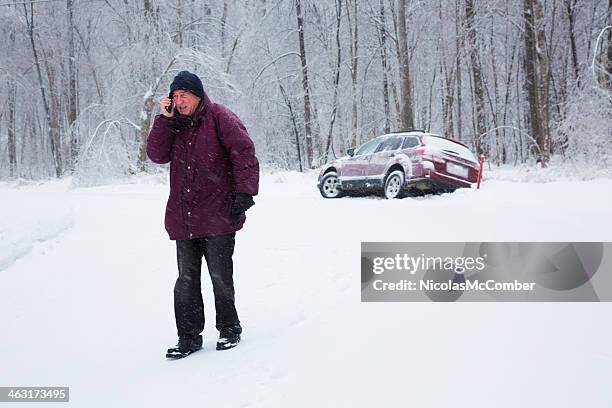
x=167, y=105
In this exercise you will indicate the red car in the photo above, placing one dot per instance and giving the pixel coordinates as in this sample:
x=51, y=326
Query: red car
x=396, y=164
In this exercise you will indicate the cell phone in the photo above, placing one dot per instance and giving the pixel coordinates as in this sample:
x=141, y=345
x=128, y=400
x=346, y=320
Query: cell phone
x=169, y=108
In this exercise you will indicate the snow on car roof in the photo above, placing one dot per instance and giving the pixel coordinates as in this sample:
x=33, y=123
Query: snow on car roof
x=446, y=138
x=419, y=133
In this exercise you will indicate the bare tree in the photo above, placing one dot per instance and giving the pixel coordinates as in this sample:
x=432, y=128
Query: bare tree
x=223, y=28
x=12, y=143
x=72, y=96
x=536, y=70
x=336, y=81
x=407, y=115
x=543, y=83
x=458, y=81
x=30, y=23
x=354, y=58
x=55, y=109
x=306, y=87
x=570, y=8
x=478, y=87
x=150, y=19
x=382, y=28
x=448, y=77
x=609, y=54
x=10, y=117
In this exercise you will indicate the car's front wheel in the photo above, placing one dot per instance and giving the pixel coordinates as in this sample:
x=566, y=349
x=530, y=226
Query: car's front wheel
x=329, y=186
x=394, y=184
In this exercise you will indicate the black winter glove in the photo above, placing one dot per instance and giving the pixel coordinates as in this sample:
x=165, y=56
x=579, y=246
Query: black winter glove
x=241, y=203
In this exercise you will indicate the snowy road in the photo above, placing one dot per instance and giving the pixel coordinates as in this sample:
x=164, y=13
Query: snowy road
x=90, y=305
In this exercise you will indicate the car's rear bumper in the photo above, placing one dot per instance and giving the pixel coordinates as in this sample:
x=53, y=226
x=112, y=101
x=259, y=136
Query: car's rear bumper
x=434, y=176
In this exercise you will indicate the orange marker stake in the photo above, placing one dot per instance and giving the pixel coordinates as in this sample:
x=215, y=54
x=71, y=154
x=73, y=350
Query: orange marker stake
x=480, y=171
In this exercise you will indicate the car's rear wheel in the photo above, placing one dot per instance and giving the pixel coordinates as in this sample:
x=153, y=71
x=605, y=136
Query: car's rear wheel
x=329, y=186
x=394, y=185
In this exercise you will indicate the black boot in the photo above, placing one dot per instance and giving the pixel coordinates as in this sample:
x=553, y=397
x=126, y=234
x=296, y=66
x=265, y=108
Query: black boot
x=186, y=345
x=228, y=338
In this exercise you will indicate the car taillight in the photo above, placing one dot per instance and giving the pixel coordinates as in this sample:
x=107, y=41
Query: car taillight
x=420, y=152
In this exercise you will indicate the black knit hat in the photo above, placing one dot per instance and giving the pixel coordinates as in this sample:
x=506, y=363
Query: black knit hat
x=187, y=81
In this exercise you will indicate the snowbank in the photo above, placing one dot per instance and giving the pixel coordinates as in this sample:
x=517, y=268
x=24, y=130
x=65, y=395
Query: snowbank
x=557, y=170
x=31, y=213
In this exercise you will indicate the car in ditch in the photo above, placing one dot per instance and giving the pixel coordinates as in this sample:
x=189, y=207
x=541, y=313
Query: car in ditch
x=399, y=164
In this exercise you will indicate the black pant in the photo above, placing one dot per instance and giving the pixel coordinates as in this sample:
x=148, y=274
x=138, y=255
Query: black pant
x=188, y=304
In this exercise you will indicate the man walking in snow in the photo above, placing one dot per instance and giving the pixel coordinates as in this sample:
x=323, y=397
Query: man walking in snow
x=214, y=175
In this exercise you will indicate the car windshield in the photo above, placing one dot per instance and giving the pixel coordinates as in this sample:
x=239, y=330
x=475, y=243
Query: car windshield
x=448, y=146
x=367, y=148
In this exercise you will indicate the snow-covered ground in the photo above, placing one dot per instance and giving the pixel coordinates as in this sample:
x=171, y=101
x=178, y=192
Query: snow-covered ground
x=86, y=278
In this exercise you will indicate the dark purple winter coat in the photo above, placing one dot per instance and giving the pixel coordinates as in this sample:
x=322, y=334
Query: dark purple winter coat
x=211, y=157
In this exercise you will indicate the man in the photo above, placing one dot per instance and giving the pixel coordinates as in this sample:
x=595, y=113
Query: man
x=214, y=175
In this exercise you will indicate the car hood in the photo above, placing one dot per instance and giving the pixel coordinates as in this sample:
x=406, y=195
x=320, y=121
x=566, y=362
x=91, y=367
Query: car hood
x=338, y=160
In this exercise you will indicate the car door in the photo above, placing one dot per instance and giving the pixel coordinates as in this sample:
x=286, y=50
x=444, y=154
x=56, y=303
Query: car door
x=374, y=171
x=353, y=170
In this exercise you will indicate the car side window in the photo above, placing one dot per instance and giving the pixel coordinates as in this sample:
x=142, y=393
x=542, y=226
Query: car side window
x=410, y=142
x=367, y=148
x=390, y=143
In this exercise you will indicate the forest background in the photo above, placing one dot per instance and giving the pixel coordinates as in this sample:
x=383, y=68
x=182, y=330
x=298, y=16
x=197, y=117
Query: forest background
x=526, y=81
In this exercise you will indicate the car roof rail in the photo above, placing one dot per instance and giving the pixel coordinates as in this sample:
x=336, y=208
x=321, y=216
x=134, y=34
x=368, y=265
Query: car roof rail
x=410, y=130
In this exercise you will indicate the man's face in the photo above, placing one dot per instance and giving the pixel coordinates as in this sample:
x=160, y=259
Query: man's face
x=185, y=102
